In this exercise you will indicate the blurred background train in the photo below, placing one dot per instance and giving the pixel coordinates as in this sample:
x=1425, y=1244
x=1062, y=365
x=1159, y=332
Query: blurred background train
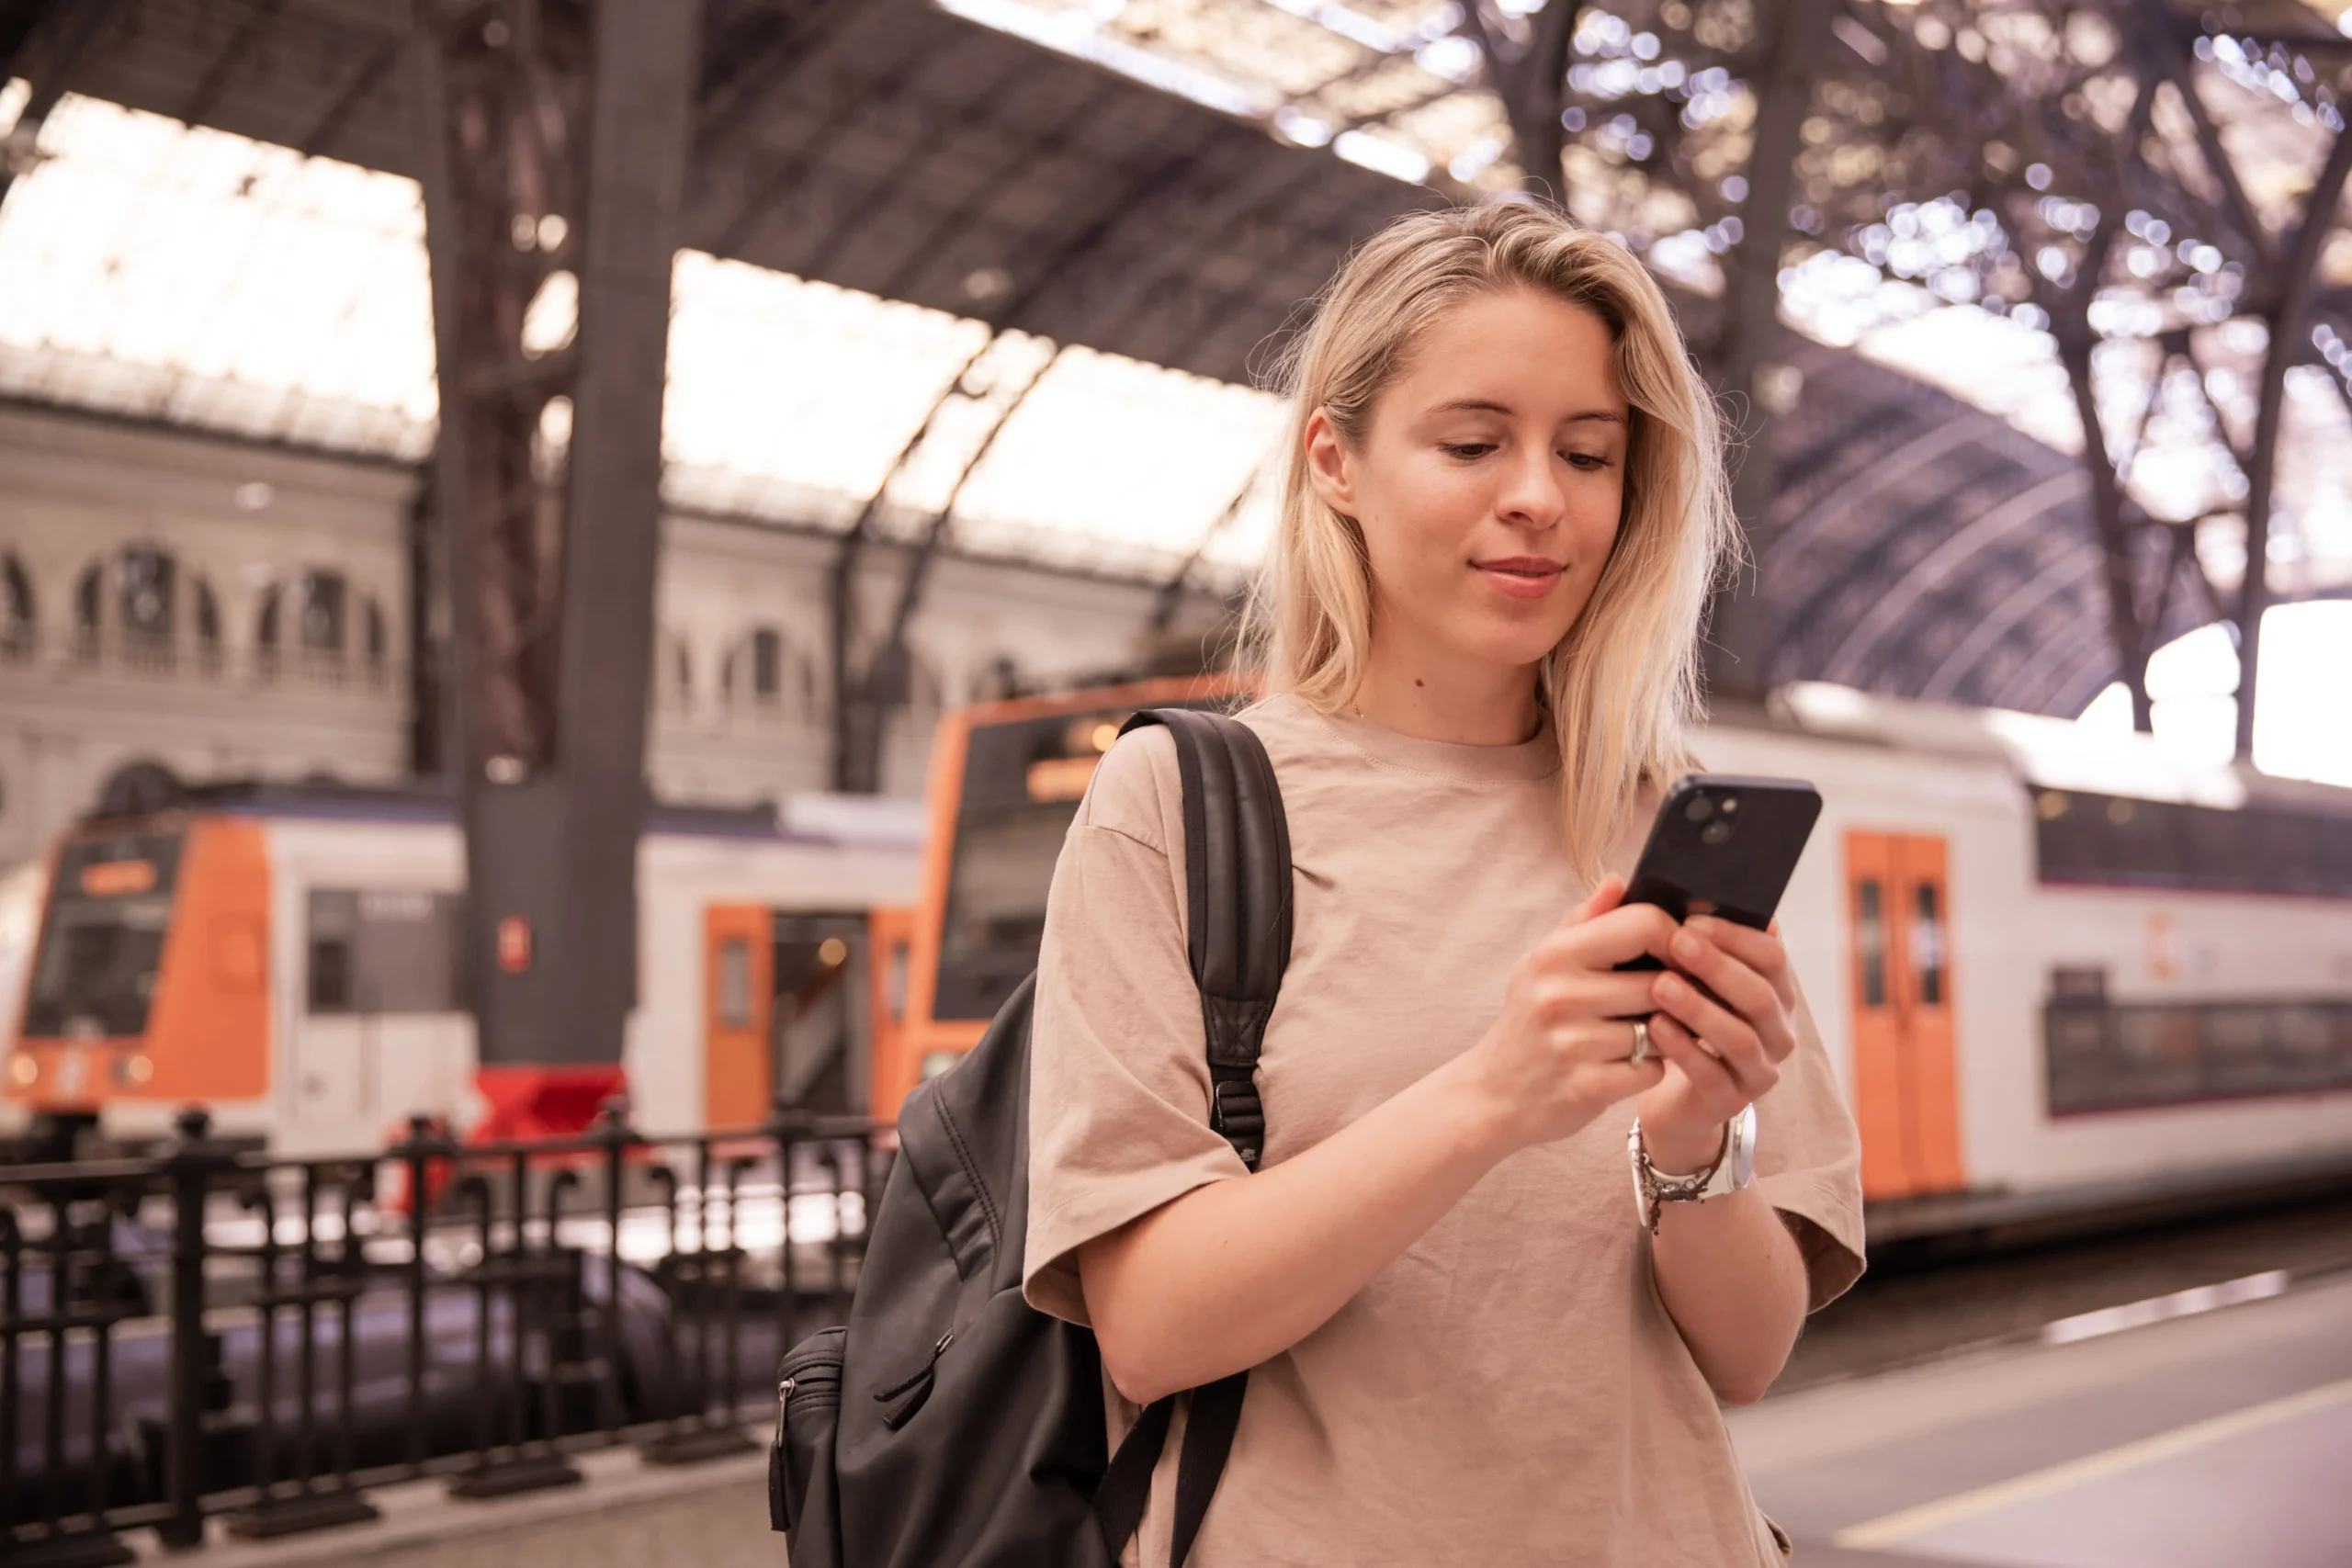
x=292, y=957
x=2057, y=971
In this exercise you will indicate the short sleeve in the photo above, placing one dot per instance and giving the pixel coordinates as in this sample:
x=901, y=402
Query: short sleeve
x=1118, y=1063
x=1809, y=1165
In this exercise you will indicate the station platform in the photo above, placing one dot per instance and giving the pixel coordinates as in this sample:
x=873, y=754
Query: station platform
x=2223, y=1438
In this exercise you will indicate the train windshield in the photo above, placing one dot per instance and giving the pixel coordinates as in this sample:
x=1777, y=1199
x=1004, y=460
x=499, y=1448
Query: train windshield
x=1022, y=780
x=102, y=941
x=1021, y=784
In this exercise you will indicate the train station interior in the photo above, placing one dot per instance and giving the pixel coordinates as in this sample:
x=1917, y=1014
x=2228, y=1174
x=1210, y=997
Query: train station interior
x=569, y=569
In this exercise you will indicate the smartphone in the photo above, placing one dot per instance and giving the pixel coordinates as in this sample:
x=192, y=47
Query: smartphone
x=1723, y=846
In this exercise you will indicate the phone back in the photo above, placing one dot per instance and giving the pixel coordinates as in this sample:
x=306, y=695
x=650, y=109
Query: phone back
x=1725, y=841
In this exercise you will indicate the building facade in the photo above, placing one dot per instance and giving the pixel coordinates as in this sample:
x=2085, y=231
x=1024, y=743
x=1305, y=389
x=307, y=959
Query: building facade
x=227, y=609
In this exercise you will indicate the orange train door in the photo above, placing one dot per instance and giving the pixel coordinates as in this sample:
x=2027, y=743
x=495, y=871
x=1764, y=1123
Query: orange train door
x=1906, y=1072
x=739, y=993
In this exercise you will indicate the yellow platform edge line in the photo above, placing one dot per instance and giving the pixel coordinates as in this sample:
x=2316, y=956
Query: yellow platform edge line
x=1896, y=1527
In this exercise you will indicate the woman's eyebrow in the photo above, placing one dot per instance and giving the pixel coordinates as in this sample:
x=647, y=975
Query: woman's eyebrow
x=1484, y=405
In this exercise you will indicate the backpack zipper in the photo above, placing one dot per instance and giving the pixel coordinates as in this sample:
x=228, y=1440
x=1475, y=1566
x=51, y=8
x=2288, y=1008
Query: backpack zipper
x=901, y=1400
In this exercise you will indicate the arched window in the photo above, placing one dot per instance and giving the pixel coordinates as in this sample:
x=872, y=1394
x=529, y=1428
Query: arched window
x=147, y=579
x=379, y=637
x=767, y=666
x=208, y=626
x=324, y=597
x=89, y=600
x=762, y=669
x=146, y=603
x=266, y=639
x=17, y=624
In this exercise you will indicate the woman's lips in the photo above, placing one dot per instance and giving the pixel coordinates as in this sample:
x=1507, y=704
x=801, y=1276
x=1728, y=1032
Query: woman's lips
x=1521, y=577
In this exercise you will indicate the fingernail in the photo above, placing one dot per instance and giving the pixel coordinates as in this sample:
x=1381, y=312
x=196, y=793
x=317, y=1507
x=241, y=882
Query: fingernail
x=1686, y=945
x=1667, y=986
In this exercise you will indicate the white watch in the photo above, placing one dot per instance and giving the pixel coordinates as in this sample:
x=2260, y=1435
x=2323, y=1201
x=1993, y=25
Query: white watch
x=1735, y=1169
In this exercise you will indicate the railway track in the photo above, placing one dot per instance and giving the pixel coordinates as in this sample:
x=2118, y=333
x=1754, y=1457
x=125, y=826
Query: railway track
x=1901, y=1317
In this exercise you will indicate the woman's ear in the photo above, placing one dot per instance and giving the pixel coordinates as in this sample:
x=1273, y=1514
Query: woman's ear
x=1329, y=465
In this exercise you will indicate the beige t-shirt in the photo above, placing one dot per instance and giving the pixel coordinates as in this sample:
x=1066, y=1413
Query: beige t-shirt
x=1508, y=1391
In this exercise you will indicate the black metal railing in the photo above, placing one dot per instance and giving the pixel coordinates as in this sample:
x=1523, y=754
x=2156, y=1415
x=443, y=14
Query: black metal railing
x=216, y=1334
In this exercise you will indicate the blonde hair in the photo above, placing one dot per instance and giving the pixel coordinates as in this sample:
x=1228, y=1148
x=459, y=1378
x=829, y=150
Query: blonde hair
x=1621, y=689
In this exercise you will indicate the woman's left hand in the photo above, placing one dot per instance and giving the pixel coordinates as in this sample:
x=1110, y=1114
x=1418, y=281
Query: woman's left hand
x=1723, y=1050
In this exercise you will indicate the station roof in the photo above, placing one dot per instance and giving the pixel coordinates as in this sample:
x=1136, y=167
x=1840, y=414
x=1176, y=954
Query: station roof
x=887, y=146
x=1150, y=188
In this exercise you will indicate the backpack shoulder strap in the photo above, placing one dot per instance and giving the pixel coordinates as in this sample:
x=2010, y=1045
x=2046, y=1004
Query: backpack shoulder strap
x=1238, y=897
x=1238, y=893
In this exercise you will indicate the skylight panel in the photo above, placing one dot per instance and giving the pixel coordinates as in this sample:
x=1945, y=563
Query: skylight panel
x=1100, y=433
x=201, y=278
x=1313, y=73
x=1077, y=33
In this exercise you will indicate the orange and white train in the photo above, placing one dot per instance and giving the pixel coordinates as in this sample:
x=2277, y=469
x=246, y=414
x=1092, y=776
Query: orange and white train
x=290, y=957
x=2053, y=969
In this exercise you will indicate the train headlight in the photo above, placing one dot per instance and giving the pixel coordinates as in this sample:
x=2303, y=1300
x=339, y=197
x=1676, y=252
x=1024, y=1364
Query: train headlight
x=25, y=1071
x=137, y=1069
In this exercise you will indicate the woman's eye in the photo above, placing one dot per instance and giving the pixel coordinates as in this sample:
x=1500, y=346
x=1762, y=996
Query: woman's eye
x=1591, y=462
x=1467, y=449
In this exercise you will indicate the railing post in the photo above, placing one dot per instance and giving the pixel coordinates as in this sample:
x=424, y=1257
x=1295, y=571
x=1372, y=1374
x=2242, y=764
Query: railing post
x=189, y=1170
x=415, y=1154
x=612, y=1131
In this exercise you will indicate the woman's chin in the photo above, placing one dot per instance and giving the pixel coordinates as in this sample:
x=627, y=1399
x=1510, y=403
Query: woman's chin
x=1519, y=641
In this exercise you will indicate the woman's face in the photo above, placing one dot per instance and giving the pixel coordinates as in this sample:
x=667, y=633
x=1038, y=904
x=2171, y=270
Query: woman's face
x=1489, y=482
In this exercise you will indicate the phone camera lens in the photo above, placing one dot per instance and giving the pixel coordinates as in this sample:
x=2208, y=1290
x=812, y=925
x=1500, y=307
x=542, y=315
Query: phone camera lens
x=1700, y=808
x=1715, y=833
x=1731, y=803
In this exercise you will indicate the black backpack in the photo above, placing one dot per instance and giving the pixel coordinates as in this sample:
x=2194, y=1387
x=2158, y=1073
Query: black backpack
x=949, y=1424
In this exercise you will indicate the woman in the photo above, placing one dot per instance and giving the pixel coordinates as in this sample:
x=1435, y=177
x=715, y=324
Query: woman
x=1505, y=503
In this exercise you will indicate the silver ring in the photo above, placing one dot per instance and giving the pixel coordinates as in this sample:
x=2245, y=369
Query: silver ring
x=1643, y=1050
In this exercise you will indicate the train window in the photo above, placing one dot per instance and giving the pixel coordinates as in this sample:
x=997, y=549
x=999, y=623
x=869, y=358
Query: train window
x=1928, y=944
x=2154, y=843
x=735, y=983
x=893, y=982
x=2108, y=1056
x=384, y=950
x=102, y=937
x=329, y=970
x=1870, y=940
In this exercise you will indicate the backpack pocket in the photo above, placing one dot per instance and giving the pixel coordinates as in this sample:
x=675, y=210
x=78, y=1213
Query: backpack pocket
x=808, y=1410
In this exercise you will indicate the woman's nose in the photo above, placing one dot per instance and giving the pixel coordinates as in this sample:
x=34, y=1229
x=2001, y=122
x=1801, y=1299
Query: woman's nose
x=1531, y=496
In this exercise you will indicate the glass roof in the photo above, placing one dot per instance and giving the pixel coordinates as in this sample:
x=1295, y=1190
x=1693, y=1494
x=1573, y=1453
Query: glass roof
x=1397, y=86
x=201, y=278
x=1379, y=82
x=198, y=277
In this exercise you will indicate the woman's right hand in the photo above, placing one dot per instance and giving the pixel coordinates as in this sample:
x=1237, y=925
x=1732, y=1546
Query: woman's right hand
x=1558, y=1054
